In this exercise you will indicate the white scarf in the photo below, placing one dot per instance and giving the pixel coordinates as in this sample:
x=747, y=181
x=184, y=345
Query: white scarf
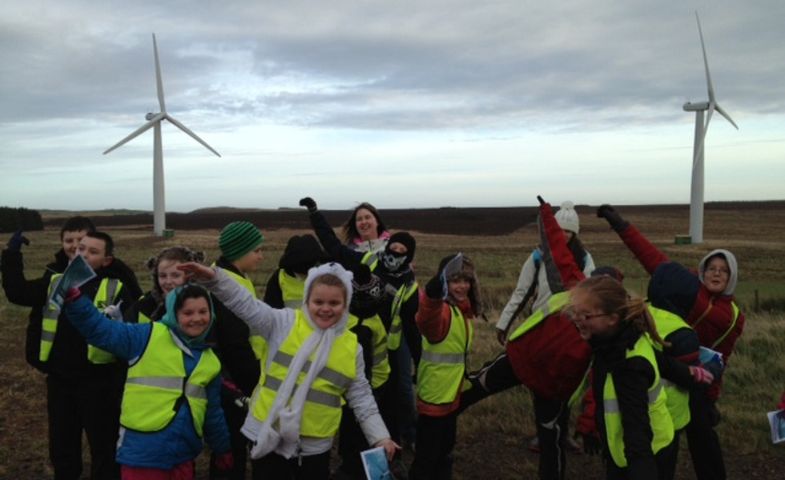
x=280, y=431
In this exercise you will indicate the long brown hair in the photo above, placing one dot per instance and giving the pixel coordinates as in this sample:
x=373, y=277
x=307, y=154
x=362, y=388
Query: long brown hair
x=350, y=227
x=611, y=297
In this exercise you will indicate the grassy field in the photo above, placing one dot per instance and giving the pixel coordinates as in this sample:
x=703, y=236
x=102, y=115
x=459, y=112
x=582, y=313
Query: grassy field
x=492, y=434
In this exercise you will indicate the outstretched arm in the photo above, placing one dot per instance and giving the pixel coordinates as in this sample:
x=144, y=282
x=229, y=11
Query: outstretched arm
x=260, y=317
x=124, y=340
x=560, y=266
x=649, y=256
x=331, y=243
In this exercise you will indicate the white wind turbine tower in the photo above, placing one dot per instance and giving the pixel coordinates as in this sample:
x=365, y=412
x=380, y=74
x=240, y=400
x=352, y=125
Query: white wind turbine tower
x=154, y=121
x=696, y=189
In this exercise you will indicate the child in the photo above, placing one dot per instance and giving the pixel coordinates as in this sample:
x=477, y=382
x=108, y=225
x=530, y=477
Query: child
x=313, y=364
x=32, y=293
x=287, y=283
x=166, y=276
x=240, y=352
x=83, y=382
x=632, y=414
x=172, y=393
x=704, y=299
x=447, y=307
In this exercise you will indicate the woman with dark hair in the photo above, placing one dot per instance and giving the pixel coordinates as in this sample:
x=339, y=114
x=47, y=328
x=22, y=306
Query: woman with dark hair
x=365, y=231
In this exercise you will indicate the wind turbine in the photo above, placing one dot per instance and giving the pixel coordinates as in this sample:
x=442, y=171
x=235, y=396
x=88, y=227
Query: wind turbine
x=154, y=121
x=696, y=188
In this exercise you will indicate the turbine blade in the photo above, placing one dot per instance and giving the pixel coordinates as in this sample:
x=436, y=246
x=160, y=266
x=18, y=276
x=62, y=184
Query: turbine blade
x=725, y=114
x=705, y=60
x=136, y=133
x=158, y=82
x=192, y=134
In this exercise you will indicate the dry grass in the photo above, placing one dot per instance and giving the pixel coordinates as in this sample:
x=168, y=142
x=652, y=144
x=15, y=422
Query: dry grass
x=492, y=434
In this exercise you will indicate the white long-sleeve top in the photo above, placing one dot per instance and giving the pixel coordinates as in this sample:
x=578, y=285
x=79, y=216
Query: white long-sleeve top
x=274, y=325
x=525, y=280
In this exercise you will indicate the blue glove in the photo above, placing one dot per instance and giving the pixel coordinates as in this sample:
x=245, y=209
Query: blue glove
x=16, y=241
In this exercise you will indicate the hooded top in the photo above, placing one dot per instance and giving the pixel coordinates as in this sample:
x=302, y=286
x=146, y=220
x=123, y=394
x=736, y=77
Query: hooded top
x=275, y=325
x=170, y=317
x=732, y=267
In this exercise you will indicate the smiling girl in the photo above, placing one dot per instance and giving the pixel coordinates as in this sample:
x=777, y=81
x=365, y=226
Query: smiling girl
x=314, y=365
x=172, y=393
x=631, y=413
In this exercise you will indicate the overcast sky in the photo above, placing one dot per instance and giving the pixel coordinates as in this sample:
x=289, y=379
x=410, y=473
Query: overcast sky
x=403, y=104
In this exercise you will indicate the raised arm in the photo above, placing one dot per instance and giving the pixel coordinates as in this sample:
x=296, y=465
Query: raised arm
x=560, y=266
x=124, y=340
x=326, y=235
x=649, y=256
x=19, y=290
x=261, y=318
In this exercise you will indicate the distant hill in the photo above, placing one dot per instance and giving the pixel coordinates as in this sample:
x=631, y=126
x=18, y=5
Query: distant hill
x=446, y=220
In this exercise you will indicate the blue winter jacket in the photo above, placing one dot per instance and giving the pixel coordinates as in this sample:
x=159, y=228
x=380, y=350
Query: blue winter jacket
x=178, y=442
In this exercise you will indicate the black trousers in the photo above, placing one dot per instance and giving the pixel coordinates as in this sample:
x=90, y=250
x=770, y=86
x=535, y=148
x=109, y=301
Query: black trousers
x=351, y=439
x=435, y=441
x=274, y=467
x=89, y=405
x=235, y=417
x=703, y=441
x=551, y=416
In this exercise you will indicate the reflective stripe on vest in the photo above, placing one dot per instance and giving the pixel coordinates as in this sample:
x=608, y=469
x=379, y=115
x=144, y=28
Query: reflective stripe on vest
x=292, y=289
x=322, y=409
x=157, y=381
x=732, y=325
x=555, y=303
x=678, y=398
x=659, y=417
x=380, y=370
x=403, y=294
x=108, y=291
x=258, y=343
x=441, y=374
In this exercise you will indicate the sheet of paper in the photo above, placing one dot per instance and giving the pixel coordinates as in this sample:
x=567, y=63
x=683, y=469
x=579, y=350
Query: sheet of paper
x=375, y=464
x=777, y=425
x=75, y=275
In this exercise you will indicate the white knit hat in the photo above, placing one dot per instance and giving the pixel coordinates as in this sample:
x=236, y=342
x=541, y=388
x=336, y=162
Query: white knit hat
x=567, y=217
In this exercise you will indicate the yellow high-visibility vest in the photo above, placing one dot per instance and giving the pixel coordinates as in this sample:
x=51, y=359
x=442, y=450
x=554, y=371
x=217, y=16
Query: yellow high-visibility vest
x=108, y=292
x=659, y=417
x=157, y=381
x=380, y=371
x=292, y=289
x=322, y=409
x=678, y=397
x=441, y=374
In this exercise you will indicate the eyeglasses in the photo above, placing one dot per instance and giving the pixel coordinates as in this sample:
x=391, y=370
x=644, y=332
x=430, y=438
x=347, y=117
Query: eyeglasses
x=720, y=270
x=573, y=315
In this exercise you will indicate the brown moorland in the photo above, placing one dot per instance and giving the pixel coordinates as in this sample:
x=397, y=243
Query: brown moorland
x=492, y=435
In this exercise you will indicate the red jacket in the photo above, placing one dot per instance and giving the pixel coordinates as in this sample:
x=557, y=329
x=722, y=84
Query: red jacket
x=679, y=290
x=552, y=359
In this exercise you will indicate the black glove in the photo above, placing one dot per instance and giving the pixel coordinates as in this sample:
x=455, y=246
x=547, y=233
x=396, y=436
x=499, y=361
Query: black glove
x=435, y=288
x=309, y=203
x=539, y=199
x=592, y=445
x=16, y=241
x=613, y=218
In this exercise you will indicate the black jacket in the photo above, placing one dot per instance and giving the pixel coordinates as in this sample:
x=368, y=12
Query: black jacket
x=632, y=378
x=68, y=357
x=350, y=258
x=233, y=347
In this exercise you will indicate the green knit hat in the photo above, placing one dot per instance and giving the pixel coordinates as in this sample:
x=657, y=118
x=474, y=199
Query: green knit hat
x=239, y=238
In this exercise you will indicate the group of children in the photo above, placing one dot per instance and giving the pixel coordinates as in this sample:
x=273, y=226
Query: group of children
x=331, y=348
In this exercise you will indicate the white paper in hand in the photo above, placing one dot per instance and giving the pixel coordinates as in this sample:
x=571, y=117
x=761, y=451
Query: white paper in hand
x=75, y=275
x=375, y=464
x=777, y=425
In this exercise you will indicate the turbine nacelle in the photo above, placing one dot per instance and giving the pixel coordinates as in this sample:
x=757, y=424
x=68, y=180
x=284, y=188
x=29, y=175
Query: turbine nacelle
x=149, y=116
x=696, y=107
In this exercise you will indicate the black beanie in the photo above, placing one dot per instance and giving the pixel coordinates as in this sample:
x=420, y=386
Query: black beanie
x=390, y=258
x=301, y=253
